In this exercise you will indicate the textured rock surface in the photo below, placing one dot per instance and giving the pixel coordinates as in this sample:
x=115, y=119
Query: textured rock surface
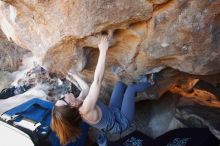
x=11, y=55
x=5, y=79
x=181, y=34
x=199, y=107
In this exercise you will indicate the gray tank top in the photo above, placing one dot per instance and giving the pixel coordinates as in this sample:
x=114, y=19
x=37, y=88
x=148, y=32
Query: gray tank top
x=112, y=119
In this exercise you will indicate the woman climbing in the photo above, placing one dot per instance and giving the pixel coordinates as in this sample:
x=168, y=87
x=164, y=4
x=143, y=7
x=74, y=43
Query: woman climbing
x=115, y=118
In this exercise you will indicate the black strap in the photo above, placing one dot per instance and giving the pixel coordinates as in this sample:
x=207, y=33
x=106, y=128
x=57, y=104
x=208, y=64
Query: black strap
x=63, y=99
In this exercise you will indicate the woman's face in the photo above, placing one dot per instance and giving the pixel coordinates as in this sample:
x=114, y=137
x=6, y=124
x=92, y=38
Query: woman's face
x=68, y=99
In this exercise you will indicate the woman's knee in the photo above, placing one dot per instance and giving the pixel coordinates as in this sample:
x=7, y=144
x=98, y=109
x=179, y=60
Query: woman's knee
x=131, y=87
x=120, y=84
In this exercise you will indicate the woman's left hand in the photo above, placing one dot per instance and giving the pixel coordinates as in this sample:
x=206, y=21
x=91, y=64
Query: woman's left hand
x=73, y=101
x=103, y=45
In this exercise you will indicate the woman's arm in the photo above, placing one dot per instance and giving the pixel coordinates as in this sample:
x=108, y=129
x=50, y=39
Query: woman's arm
x=92, y=97
x=82, y=84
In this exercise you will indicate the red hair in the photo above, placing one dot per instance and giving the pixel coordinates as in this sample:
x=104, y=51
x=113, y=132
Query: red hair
x=66, y=123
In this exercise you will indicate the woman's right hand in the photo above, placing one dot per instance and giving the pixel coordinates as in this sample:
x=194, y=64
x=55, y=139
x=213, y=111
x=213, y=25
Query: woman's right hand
x=103, y=45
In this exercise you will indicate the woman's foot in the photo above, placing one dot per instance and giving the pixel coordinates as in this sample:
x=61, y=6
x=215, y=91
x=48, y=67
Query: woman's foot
x=142, y=79
x=150, y=78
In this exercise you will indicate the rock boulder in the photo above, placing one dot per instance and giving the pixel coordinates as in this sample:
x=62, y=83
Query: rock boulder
x=146, y=35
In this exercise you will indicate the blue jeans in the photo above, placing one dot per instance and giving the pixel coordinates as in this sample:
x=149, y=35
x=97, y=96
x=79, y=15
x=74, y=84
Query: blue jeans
x=123, y=98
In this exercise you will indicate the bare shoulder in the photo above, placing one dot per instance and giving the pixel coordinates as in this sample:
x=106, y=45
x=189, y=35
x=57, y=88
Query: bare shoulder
x=92, y=116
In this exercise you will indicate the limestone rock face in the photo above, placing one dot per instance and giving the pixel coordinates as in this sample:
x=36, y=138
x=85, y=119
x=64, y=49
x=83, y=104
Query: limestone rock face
x=147, y=36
